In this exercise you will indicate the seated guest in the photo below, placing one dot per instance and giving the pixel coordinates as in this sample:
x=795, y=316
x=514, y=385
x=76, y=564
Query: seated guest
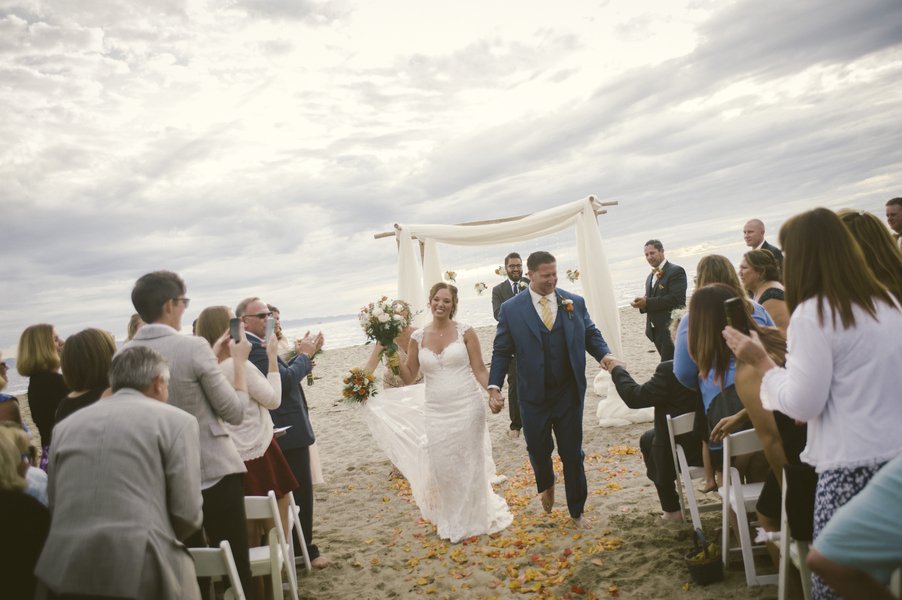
x=24, y=522
x=35, y=478
x=121, y=509
x=38, y=359
x=267, y=468
x=880, y=253
x=86, y=359
x=861, y=546
x=760, y=274
x=669, y=398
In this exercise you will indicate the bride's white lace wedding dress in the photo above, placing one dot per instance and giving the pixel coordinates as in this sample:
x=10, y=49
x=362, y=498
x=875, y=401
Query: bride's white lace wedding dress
x=437, y=436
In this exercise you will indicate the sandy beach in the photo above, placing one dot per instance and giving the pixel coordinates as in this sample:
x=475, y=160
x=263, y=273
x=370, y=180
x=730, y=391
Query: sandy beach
x=369, y=526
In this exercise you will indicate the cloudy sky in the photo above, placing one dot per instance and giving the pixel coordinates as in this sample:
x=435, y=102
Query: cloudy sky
x=255, y=146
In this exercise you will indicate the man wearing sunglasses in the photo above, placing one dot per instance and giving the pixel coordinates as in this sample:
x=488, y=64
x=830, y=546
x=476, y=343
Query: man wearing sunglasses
x=292, y=412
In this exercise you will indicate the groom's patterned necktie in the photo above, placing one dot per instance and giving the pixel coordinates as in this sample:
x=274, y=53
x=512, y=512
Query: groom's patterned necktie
x=546, y=313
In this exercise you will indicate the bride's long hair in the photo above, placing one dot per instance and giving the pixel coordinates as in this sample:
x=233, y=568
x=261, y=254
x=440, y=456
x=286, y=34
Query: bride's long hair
x=441, y=285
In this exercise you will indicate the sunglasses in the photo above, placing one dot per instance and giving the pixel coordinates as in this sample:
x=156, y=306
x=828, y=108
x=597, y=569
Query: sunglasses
x=260, y=315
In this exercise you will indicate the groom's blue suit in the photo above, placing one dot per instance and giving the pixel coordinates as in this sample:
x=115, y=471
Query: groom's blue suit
x=551, y=383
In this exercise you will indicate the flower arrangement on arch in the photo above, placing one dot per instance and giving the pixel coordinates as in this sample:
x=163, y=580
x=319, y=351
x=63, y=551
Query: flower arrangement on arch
x=573, y=275
x=480, y=287
x=382, y=322
x=359, y=386
x=451, y=276
x=501, y=272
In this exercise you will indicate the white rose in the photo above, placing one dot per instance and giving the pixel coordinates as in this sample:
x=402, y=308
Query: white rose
x=383, y=318
x=396, y=318
x=377, y=312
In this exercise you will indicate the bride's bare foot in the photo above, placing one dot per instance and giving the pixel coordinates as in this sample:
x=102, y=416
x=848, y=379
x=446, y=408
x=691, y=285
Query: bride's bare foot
x=581, y=523
x=548, y=499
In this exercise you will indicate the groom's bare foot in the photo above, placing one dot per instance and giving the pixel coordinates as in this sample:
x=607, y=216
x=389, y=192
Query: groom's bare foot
x=548, y=499
x=581, y=523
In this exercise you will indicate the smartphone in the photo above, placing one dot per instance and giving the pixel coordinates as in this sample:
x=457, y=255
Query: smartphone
x=235, y=329
x=270, y=327
x=737, y=318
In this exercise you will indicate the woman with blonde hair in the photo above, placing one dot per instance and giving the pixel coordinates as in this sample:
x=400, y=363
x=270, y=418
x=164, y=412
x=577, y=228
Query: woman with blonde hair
x=842, y=373
x=760, y=275
x=267, y=468
x=134, y=324
x=86, y=360
x=38, y=358
x=882, y=255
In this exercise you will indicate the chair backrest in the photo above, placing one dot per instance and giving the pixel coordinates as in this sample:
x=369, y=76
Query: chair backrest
x=739, y=443
x=681, y=424
x=218, y=562
x=258, y=507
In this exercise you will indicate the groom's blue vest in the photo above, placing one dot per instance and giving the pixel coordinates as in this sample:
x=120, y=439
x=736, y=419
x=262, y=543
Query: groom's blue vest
x=557, y=359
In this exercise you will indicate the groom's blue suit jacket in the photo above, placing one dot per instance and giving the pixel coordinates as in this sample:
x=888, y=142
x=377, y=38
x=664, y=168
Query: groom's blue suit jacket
x=519, y=334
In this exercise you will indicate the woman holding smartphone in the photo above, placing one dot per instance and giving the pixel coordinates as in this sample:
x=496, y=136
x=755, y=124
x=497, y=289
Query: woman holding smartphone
x=842, y=372
x=267, y=468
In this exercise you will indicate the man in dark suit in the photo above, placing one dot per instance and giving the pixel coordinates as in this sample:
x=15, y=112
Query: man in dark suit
x=550, y=332
x=504, y=291
x=665, y=290
x=292, y=412
x=753, y=233
x=668, y=397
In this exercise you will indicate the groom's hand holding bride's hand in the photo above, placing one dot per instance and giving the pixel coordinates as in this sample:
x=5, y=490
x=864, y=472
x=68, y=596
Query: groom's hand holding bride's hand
x=609, y=362
x=496, y=400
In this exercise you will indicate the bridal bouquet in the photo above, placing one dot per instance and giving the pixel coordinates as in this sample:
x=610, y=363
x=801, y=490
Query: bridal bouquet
x=382, y=323
x=573, y=275
x=359, y=386
x=480, y=287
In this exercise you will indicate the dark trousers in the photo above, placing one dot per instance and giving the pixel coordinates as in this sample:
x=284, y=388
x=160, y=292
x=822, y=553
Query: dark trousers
x=562, y=415
x=662, y=341
x=224, y=519
x=659, y=464
x=513, y=407
x=299, y=461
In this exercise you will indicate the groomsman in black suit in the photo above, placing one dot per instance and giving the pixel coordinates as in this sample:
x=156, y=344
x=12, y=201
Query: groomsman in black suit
x=753, y=233
x=665, y=290
x=507, y=289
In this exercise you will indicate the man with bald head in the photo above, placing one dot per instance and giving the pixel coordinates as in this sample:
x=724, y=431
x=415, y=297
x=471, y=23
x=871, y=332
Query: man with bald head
x=753, y=232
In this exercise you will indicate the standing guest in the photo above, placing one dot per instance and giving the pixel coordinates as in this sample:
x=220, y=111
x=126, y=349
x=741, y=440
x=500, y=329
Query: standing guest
x=550, y=331
x=38, y=359
x=35, y=478
x=121, y=509
x=9, y=405
x=760, y=275
x=24, y=522
x=198, y=386
x=894, y=218
x=669, y=398
x=267, y=468
x=134, y=324
x=285, y=349
x=842, y=372
x=504, y=291
x=665, y=290
x=753, y=233
x=881, y=254
x=86, y=362
x=292, y=412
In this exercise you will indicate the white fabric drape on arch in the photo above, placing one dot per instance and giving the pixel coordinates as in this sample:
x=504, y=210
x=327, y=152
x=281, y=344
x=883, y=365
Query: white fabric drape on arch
x=414, y=279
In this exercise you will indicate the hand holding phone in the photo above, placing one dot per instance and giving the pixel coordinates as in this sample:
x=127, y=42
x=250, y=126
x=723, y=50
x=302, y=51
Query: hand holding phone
x=270, y=327
x=737, y=318
x=235, y=329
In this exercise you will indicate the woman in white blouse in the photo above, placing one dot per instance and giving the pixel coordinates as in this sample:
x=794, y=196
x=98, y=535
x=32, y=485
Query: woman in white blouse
x=267, y=468
x=842, y=372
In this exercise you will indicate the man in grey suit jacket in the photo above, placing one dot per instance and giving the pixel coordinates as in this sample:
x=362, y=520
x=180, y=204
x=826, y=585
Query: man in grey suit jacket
x=124, y=491
x=504, y=291
x=199, y=387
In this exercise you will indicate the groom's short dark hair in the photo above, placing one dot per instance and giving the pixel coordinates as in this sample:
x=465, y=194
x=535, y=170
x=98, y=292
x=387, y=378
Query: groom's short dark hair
x=508, y=258
x=540, y=257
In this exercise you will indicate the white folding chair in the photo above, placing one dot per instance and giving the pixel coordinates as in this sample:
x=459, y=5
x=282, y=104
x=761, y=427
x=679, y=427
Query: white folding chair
x=294, y=525
x=684, y=472
x=273, y=557
x=218, y=562
x=793, y=552
x=740, y=498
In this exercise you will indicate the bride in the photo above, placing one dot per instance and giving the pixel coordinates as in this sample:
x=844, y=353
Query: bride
x=440, y=439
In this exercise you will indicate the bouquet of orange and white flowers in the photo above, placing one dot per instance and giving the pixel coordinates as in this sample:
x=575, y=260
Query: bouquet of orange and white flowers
x=359, y=386
x=573, y=275
x=382, y=323
x=480, y=287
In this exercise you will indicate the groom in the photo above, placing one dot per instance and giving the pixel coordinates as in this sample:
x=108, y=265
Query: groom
x=549, y=331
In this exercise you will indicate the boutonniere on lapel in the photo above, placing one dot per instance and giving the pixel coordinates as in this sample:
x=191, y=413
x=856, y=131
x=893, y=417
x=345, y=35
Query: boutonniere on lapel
x=657, y=272
x=522, y=284
x=567, y=305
